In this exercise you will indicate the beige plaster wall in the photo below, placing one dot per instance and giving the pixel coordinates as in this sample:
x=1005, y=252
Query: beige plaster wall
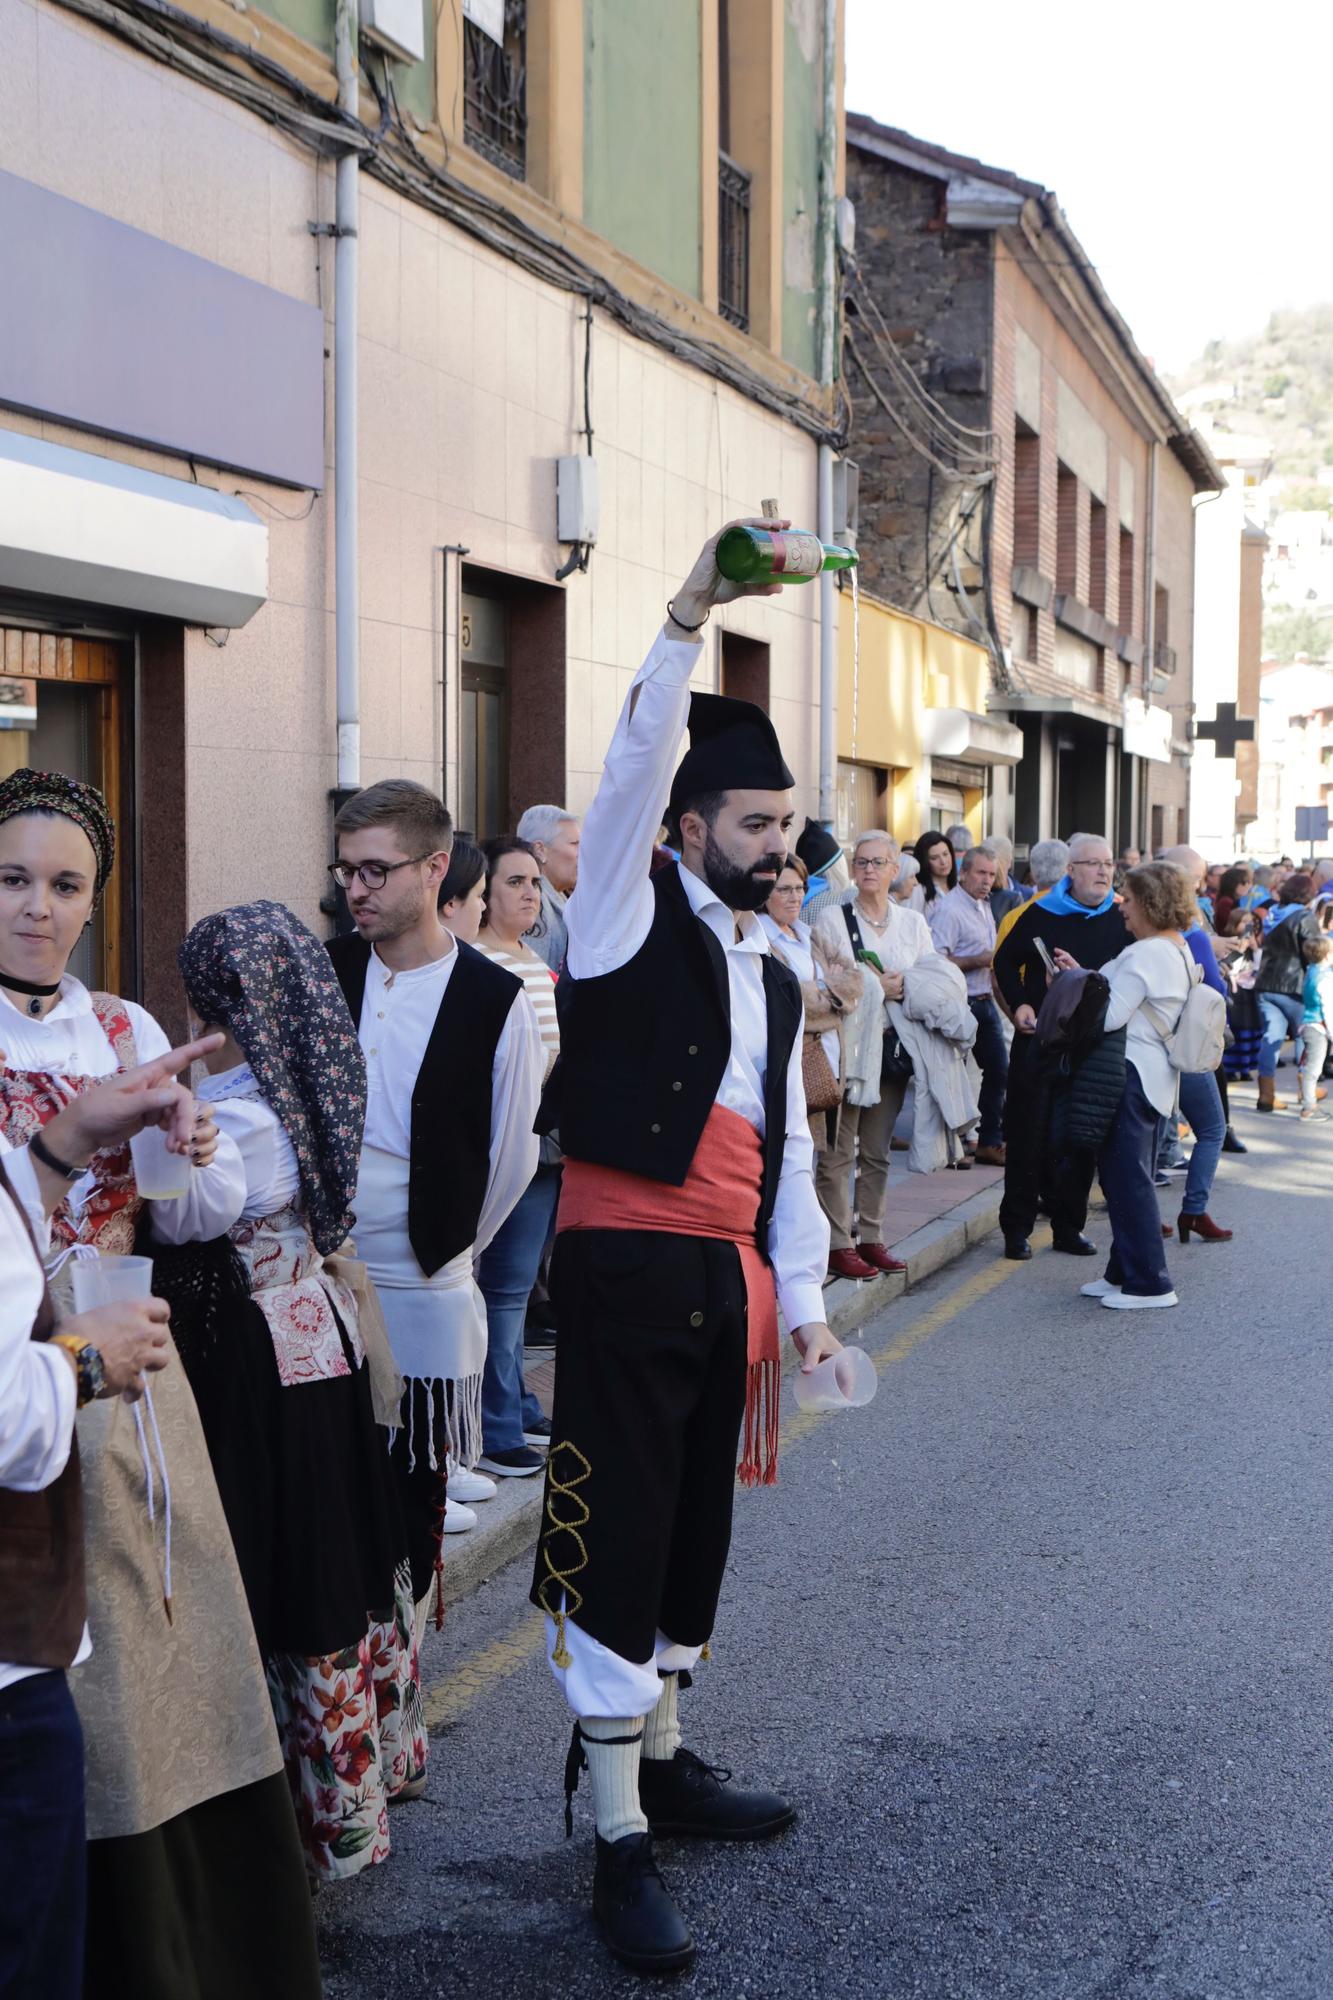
x=471, y=386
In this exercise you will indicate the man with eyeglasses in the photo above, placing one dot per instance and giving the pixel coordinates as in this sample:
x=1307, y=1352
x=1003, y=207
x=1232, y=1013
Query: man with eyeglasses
x=454, y=1065
x=1081, y=914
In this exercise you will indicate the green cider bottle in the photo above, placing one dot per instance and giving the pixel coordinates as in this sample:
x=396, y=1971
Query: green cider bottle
x=778, y=555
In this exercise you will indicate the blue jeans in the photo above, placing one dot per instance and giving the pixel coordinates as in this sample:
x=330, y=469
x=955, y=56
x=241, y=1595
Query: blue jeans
x=1201, y=1105
x=43, y=1863
x=993, y=1061
x=1137, y=1262
x=506, y=1275
x=1282, y=1014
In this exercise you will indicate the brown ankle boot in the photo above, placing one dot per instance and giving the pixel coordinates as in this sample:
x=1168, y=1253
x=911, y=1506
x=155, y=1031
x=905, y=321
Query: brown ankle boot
x=1267, y=1094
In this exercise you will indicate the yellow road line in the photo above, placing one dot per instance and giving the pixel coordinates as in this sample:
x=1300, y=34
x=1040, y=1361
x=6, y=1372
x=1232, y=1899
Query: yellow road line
x=467, y=1681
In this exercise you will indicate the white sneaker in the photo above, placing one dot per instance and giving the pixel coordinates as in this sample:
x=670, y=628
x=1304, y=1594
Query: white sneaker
x=1136, y=1302
x=457, y=1520
x=469, y=1485
x=1100, y=1288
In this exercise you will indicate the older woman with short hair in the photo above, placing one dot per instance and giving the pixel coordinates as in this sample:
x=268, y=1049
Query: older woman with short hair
x=888, y=939
x=830, y=984
x=1150, y=981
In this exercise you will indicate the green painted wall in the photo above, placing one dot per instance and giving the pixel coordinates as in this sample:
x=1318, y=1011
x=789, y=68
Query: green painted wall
x=641, y=133
x=802, y=117
x=312, y=20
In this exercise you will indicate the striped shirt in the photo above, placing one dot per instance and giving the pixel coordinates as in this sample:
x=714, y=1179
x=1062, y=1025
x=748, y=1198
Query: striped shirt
x=539, y=985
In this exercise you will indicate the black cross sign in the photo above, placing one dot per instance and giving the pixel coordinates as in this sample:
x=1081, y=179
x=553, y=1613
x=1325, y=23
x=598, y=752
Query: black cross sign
x=1226, y=730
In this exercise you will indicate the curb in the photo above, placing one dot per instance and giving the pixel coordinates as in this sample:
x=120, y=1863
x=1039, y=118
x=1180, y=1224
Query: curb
x=507, y=1525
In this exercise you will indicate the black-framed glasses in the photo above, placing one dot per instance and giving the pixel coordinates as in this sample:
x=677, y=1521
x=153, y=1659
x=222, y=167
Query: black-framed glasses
x=370, y=874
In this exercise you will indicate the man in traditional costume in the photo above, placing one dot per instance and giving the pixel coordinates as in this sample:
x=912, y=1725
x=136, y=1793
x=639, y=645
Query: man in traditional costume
x=688, y=1214
x=454, y=1063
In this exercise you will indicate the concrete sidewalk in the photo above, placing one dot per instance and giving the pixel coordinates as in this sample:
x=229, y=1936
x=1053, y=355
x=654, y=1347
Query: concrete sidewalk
x=931, y=1219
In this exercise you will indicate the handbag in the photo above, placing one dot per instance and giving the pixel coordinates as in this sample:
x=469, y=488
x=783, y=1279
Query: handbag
x=823, y=1092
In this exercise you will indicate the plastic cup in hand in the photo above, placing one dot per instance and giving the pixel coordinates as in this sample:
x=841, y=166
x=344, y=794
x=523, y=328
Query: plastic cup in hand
x=158, y=1174
x=842, y=1381
x=105, y=1281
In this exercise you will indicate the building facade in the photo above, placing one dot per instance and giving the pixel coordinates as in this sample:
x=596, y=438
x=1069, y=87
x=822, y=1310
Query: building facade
x=581, y=236
x=1026, y=481
x=1232, y=545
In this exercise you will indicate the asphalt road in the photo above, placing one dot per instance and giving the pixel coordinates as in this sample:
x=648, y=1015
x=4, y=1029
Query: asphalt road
x=1039, y=1642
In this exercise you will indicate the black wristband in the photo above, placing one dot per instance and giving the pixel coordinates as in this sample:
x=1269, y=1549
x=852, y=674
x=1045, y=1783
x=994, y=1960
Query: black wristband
x=38, y=1147
x=680, y=622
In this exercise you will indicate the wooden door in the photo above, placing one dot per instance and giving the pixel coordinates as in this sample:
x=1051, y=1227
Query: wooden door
x=64, y=706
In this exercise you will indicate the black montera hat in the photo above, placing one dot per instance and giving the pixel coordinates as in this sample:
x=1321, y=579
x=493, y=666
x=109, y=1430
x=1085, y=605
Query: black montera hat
x=733, y=747
x=817, y=847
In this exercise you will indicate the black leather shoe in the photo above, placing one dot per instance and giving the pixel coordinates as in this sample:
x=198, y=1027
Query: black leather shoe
x=1017, y=1249
x=1074, y=1246
x=685, y=1797
x=1231, y=1144
x=636, y=1910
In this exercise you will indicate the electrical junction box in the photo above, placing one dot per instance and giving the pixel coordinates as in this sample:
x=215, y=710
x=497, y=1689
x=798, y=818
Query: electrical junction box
x=396, y=26
x=577, y=499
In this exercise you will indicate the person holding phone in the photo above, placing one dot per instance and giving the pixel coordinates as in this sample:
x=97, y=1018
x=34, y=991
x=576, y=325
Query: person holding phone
x=1079, y=914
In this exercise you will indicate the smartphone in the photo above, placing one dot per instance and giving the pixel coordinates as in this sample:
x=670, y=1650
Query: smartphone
x=871, y=958
x=1045, y=956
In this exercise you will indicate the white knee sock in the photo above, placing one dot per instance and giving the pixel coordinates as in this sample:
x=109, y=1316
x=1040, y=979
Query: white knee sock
x=613, y=1767
x=661, y=1729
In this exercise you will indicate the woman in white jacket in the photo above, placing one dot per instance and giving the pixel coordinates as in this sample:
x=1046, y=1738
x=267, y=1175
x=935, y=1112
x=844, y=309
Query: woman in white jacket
x=1153, y=973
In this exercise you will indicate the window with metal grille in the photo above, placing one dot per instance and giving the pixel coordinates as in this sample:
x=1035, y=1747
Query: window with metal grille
x=495, y=118
x=733, y=242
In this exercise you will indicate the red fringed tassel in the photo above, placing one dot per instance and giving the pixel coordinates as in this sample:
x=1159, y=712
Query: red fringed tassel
x=759, y=1451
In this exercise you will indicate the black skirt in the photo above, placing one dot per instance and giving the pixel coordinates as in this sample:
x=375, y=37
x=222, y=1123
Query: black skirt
x=303, y=1472
x=211, y=1905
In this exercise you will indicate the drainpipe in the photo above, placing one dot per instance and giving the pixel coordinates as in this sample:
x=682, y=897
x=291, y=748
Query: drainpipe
x=1144, y=828
x=827, y=326
x=347, y=618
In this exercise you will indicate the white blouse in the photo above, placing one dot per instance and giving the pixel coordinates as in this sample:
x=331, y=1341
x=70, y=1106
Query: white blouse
x=797, y=954
x=70, y=1041
x=1154, y=970
x=898, y=943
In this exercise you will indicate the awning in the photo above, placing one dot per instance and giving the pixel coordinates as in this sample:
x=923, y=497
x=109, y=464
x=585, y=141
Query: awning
x=99, y=532
x=973, y=739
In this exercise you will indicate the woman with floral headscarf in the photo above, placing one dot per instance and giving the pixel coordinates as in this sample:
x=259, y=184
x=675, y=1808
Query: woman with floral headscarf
x=278, y=1358
x=189, y=1818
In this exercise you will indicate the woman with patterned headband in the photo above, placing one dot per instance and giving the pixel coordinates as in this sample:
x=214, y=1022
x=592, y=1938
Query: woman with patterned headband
x=184, y=1773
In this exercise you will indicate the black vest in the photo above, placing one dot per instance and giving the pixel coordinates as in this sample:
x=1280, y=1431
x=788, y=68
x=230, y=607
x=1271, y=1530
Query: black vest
x=643, y=1051
x=450, y=1145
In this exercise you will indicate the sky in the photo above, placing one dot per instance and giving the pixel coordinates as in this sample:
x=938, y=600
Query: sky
x=1191, y=147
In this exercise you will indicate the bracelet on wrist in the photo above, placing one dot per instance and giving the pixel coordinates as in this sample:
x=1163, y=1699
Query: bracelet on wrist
x=39, y=1149
x=680, y=622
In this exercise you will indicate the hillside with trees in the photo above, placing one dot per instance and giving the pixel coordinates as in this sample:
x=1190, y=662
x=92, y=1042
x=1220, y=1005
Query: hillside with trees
x=1277, y=385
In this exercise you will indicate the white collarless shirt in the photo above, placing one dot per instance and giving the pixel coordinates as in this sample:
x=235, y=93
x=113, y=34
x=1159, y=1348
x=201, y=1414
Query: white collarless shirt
x=610, y=913
x=398, y=1011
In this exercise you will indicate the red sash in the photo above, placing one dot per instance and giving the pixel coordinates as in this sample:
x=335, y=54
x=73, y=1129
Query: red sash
x=720, y=1200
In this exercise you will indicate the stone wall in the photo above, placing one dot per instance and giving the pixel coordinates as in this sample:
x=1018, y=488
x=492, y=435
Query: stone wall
x=932, y=284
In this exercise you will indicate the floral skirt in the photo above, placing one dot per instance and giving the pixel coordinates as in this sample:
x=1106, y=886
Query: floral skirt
x=353, y=1733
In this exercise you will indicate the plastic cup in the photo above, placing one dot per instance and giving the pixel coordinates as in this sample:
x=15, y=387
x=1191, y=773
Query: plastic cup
x=104, y=1281
x=158, y=1174
x=842, y=1381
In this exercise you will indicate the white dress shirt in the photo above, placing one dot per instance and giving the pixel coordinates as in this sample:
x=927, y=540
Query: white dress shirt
x=38, y=1391
x=398, y=1011
x=611, y=913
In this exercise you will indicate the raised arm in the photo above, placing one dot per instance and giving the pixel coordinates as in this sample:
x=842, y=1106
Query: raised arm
x=611, y=910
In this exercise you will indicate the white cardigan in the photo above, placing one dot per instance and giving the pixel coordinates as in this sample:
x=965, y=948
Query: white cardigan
x=1154, y=970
